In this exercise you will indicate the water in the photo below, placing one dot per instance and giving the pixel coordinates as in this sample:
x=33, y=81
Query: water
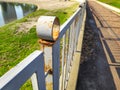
x=13, y=11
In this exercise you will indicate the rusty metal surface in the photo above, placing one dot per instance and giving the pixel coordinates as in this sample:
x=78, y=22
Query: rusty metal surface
x=48, y=28
x=50, y=37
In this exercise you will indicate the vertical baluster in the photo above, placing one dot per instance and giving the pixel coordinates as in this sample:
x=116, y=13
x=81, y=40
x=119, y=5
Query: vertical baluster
x=67, y=56
x=70, y=44
x=34, y=81
x=63, y=61
x=77, y=29
x=40, y=75
x=70, y=49
x=56, y=64
x=73, y=39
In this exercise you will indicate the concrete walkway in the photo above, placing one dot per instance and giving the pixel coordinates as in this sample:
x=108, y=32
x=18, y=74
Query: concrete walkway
x=102, y=72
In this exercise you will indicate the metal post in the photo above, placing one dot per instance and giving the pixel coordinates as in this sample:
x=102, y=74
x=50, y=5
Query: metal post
x=48, y=31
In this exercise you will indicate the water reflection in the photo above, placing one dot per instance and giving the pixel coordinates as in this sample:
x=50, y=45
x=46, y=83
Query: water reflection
x=19, y=11
x=1, y=17
x=10, y=11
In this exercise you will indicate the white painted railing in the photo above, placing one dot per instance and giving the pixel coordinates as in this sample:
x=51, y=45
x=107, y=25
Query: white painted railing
x=54, y=63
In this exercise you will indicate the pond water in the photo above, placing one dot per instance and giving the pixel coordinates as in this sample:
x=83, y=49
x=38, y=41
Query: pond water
x=13, y=11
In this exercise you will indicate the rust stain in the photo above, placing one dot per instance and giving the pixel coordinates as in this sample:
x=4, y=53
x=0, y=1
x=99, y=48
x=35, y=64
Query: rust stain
x=76, y=20
x=48, y=69
x=55, y=33
x=46, y=42
x=49, y=86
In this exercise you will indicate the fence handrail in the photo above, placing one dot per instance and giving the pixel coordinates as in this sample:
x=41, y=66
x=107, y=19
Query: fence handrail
x=18, y=75
x=67, y=24
x=53, y=57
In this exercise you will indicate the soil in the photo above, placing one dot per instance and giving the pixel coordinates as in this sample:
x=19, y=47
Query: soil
x=94, y=72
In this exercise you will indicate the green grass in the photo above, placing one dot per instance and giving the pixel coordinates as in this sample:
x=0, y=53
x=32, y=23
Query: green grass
x=15, y=46
x=115, y=3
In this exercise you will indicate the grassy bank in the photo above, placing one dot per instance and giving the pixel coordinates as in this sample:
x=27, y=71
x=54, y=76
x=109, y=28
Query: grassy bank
x=115, y=3
x=15, y=46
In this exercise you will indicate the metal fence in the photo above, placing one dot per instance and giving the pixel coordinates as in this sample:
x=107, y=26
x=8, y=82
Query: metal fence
x=54, y=61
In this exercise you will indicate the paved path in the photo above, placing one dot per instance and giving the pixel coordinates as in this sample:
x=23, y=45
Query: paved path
x=105, y=72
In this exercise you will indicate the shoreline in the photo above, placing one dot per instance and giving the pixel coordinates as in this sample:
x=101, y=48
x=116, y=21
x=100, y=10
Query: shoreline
x=45, y=4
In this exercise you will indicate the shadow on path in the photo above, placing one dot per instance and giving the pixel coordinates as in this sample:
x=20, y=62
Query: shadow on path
x=94, y=72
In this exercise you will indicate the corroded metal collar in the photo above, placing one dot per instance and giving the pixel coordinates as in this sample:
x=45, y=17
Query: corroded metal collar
x=48, y=28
